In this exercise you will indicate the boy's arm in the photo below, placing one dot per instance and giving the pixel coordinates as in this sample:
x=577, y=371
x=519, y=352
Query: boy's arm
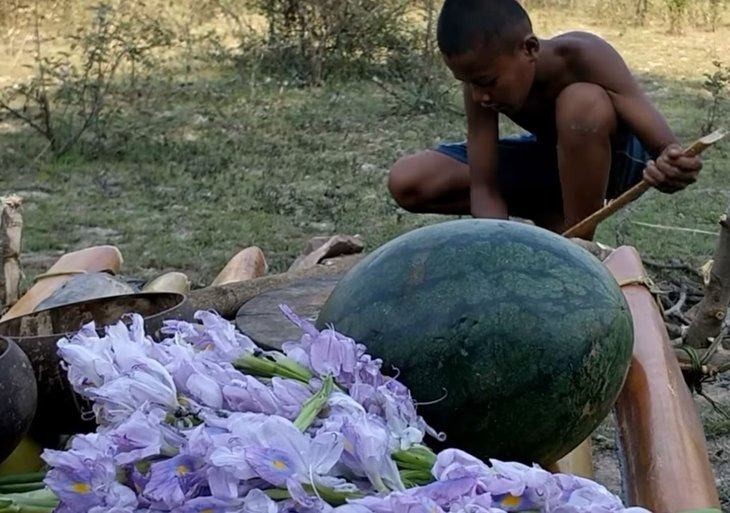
x=482, y=133
x=602, y=65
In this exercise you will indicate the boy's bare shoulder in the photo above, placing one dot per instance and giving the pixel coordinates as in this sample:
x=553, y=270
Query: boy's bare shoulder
x=590, y=58
x=581, y=45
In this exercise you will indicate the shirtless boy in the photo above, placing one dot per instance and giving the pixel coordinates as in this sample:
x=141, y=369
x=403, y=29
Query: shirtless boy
x=593, y=133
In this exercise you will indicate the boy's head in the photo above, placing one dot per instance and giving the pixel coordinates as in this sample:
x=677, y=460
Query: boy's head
x=489, y=45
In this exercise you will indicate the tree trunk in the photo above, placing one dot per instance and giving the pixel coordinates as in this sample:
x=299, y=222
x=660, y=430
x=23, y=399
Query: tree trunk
x=712, y=310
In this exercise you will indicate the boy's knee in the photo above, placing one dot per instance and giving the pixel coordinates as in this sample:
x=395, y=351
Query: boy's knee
x=403, y=183
x=585, y=111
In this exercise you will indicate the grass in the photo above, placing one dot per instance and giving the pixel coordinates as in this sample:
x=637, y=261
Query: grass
x=206, y=163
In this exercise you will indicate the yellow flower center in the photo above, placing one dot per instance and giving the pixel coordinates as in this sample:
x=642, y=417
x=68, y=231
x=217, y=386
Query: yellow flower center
x=81, y=488
x=511, y=501
x=279, y=465
x=209, y=510
x=182, y=470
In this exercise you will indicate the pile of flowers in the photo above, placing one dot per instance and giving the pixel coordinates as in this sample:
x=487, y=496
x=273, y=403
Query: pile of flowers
x=205, y=421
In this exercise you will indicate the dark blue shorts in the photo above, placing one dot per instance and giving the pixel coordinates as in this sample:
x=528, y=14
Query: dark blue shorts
x=528, y=169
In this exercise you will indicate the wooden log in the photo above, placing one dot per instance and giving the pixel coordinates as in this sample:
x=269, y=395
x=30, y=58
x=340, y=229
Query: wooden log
x=95, y=259
x=712, y=310
x=12, y=229
x=666, y=467
x=246, y=265
x=227, y=299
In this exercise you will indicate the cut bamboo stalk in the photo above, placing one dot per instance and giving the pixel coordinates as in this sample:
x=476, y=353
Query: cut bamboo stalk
x=666, y=468
x=169, y=282
x=95, y=259
x=587, y=225
x=246, y=265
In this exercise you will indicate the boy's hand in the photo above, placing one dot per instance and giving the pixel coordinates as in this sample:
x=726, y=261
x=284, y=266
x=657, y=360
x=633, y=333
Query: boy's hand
x=672, y=171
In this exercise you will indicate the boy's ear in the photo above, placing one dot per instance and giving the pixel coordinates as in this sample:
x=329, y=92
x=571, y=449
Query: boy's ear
x=531, y=45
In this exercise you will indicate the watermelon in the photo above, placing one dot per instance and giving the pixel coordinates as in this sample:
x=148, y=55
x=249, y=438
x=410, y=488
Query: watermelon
x=514, y=341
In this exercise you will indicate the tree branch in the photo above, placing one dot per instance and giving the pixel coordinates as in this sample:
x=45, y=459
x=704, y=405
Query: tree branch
x=712, y=310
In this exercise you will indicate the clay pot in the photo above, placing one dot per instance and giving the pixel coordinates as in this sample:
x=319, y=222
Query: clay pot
x=18, y=396
x=60, y=410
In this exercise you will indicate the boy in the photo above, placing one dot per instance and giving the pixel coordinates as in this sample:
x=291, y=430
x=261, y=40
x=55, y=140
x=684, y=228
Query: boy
x=593, y=132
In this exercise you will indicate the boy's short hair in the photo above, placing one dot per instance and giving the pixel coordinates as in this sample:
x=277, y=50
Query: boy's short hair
x=463, y=24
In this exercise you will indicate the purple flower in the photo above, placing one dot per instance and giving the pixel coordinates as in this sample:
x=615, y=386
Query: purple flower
x=581, y=495
x=248, y=394
x=216, y=336
x=531, y=485
x=306, y=326
x=367, y=452
x=258, y=502
x=222, y=484
x=139, y=437
x=454, y=463
x=282, y=451
x=88, y=358
x=397, y=503
x=209, y=505
x=290, y=396
x=475, y=504
x=445, y=493
x=174, y=480
x=146, y=384
x=84, y=477
x=331, y=354
x=352, y=508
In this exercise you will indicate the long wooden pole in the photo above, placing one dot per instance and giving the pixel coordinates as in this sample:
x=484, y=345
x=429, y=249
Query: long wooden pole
x=666, y=468
x=589, y=224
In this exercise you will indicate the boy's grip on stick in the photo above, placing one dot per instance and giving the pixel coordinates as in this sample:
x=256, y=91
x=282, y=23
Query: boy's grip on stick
x=590, y=223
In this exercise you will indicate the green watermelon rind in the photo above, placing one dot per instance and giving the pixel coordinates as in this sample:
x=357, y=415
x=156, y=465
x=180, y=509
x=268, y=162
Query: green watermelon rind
x=424, y=273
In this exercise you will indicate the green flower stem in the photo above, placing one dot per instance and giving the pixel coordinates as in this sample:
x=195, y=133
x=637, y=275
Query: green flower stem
x=418, y=457
x=276, y=494
x=330, y=496
x=280, y=366
x=41, y=498
x=413, y=478
x=15, y=508
x=21, y=487
x=292, y=368
x=314, y=405
x=32, y=477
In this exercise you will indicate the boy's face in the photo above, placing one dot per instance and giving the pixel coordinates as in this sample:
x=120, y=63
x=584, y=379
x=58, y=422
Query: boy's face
x=499, y=79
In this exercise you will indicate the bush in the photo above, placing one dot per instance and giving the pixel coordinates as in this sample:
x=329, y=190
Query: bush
x=68, y=92
x=315, y=39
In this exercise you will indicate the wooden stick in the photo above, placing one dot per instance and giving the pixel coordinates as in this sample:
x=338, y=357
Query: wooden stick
x=589, y=223
x=12, y=229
